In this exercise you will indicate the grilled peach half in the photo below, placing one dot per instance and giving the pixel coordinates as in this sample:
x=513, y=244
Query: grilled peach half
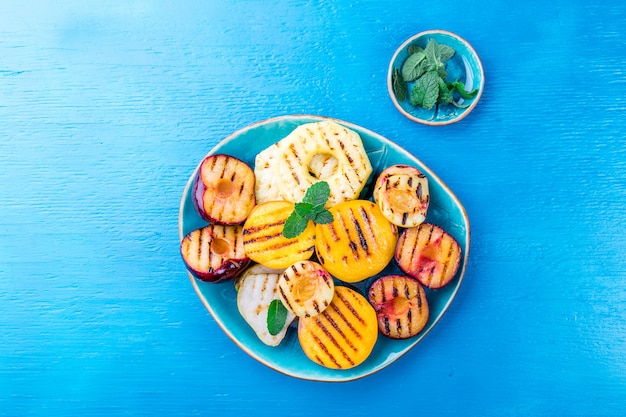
x=215, y=252
x=343, y=335
x=402, y=193
x=306, y=288
x=264, y=242
x=359, y=242
x=428, y=253
x=401, y=306
x=223, y=190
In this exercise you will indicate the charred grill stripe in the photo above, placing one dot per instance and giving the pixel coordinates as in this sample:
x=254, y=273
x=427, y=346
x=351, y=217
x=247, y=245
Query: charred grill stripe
x=262, y=227
x=326, y=352
x=368, y=226
x=447, y=261
x=409, y=319
x=339, y=329
x=387, y=329
x=331, y=338
x=333, y=233
x=418, y=191
x=410, y=182
x=352, y=310
x=359, y=230
x=405, y=217
x=285, y=298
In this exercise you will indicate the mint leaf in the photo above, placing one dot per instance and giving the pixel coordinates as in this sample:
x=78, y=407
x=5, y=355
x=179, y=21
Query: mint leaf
x=294, y=225
x=432, y=52
x=323, y=217
x=445, y=52
x=317, y=194
x=426, y=90
x=460, y=87
x=310, y=209
x=410, y=68
x=445, y=95
x=303, y=209
x=412, y=49
x=276, y=317
x=400, y=88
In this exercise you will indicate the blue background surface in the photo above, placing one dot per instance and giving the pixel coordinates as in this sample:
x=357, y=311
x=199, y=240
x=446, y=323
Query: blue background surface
x=107, y=107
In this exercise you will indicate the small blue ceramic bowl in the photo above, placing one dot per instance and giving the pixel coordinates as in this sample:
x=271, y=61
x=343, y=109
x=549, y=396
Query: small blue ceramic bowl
x=464, y=66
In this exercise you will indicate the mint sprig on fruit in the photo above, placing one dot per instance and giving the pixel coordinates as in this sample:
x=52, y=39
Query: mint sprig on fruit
x=426, y=69
x=310, y=209
x=276, y=317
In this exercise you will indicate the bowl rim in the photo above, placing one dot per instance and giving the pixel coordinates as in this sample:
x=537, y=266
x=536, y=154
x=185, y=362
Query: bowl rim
x=403, y=46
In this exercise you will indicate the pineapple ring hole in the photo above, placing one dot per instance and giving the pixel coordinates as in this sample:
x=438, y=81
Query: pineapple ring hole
x=323, y=166
x=224, y=188
x=220, y=246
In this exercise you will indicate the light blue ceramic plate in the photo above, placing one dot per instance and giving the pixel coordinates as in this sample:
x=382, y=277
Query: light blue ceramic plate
x=464, y=66
x=220, y=299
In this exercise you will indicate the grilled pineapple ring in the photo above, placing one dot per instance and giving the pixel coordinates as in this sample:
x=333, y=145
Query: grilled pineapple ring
x=312, y=152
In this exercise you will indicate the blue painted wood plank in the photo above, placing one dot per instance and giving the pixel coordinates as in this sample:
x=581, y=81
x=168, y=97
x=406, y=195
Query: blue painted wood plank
x=105, y=109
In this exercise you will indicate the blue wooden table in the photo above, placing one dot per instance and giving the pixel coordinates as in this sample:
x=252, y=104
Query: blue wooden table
x=107, y=107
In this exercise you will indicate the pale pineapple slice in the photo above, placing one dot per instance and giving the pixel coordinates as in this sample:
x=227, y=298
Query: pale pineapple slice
x=312, y=152
x=328, y=139
x=266, y=172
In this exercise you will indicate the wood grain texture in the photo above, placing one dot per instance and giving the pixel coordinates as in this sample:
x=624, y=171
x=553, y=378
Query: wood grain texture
x=105, y=109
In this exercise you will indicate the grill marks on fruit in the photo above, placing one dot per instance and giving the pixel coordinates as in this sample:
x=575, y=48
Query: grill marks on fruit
x=429, y=254
x=356, y=226
x=401, y=306
x=332, y=325
x=206, y=249
x=293, y=152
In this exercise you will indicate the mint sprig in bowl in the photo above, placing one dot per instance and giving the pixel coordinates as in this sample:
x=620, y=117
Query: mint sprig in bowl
x=435, y=78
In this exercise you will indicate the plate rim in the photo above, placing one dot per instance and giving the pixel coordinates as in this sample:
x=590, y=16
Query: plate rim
x=404, y=45
x=387, y=142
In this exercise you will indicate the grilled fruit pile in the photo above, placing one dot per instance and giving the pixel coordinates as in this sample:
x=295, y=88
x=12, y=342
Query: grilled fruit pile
x=343, y=335
x=358, y=243
x=313, y=152
x=341, y=236
x=401, y=306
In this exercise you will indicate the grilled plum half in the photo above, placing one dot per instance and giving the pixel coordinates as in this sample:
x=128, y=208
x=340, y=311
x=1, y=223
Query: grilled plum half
x=215, y=252
x=401, y=306
x=223, y=190
x=428, y=253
